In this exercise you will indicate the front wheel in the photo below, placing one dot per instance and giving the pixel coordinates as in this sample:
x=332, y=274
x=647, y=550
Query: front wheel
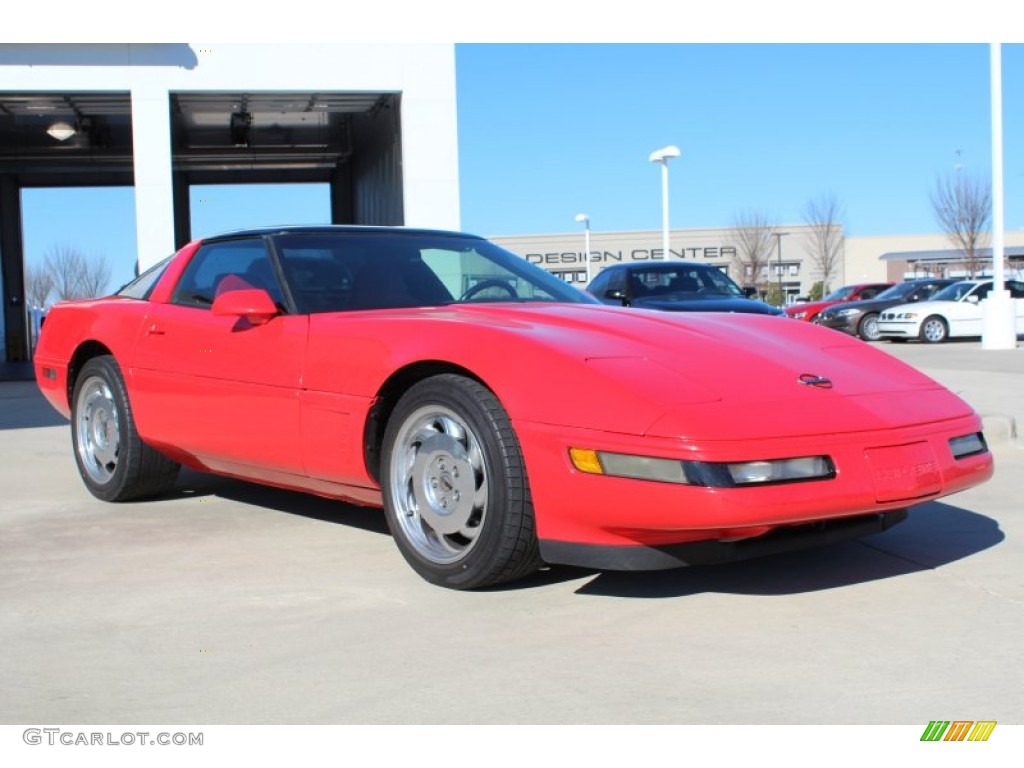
x=113, y=461
x=934, y=330
x=456, y=495
x=868, y=328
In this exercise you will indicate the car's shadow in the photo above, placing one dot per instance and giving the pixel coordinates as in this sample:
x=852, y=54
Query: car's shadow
x=934, y=535
x=196, y=484
x=22, y=406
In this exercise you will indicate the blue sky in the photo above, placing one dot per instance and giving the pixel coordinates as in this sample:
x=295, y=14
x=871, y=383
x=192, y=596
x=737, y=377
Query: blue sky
x=547, y=131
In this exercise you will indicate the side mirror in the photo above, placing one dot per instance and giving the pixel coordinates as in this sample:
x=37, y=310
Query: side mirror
x=973, y=298
x=254, y=304
x=616, y=295
x=750, y=291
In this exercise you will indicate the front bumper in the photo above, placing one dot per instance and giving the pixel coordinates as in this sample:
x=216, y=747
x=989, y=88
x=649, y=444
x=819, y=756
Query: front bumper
x=583, y=516
x=654, y=558
x=846, y=324
x=903, y=329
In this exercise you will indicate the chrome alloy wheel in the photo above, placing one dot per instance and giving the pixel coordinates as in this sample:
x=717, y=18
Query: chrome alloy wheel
x=439, y=484
x=869, y=328
x=933, y=330
x=97, y=430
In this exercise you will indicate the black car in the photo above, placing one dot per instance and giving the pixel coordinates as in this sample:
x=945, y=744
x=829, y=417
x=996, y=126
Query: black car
x=676, y=286
x=860, y=318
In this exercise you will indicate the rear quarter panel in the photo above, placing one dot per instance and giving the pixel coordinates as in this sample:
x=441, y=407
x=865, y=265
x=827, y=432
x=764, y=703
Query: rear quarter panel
x=112, y=323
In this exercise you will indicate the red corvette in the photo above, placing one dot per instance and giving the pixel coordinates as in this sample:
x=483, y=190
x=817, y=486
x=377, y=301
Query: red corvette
x=501, y=418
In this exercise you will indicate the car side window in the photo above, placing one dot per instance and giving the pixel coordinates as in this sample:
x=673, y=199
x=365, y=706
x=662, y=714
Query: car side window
x=224, y=266
x=600, y=284
x=617, y=282
x=1016, y=289
x=870, y=293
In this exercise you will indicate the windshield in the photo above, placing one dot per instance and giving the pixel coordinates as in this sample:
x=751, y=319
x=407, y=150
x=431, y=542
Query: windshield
x=840, y=293
x=333, y=272
x=684, y=279
x=143, y=285
x=954, y=292
x=897, y=291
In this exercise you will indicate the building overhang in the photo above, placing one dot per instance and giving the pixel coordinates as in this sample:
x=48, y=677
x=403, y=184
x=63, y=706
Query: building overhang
x=949, y=255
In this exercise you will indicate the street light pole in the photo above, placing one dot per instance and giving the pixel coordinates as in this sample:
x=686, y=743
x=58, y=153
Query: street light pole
x=661, y=157
x=582, y=217
x=778, y=248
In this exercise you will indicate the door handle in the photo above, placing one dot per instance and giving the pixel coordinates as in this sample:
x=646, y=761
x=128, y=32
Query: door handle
x=155, y=330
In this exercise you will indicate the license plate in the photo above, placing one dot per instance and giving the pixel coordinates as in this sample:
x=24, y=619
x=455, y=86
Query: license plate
x=904, y=471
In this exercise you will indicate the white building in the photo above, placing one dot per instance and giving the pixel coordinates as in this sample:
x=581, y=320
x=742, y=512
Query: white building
x=863, y=259
x=375, y=122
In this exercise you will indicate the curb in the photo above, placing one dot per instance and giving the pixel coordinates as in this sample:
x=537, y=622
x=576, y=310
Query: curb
x=1000, y=430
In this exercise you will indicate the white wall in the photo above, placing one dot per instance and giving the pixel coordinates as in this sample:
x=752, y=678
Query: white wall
x=423, y=74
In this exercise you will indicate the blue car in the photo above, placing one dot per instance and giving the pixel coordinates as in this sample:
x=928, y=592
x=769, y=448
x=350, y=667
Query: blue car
x=676, y=286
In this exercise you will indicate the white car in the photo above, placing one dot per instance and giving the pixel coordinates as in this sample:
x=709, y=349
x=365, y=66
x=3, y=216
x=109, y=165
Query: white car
x=953, y=311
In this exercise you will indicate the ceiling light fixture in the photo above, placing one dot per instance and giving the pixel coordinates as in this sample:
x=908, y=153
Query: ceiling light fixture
x=61, y=131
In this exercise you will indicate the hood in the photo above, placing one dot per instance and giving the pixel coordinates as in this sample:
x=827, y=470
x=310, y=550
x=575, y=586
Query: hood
x=864, y=305
x=923, y=307
x=807, y=307
x=713, y=376
x=734, y=376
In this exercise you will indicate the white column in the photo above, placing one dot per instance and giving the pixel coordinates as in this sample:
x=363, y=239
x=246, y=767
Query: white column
x=998, y=330
x=154, y=197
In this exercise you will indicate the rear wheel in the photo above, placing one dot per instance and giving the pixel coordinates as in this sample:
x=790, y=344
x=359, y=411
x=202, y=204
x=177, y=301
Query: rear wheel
x=456, y=495
x=934, y=330
x=113, y=461
x=868, y=328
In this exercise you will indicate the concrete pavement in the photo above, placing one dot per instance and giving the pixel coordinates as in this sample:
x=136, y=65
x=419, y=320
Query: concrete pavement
x=992, y=381
x=231, y=603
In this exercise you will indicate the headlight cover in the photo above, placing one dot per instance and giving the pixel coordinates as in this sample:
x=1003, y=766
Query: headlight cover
x=967, y=445
x=703, y=473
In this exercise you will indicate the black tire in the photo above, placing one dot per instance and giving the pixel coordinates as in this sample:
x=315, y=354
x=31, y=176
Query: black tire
x=867, y=329
x=114, y=463
x=934, y=330
x=456, y=495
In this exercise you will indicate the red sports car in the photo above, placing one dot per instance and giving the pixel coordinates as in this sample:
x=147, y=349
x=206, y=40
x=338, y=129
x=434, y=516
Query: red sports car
x=501, y=418
x=810, y=310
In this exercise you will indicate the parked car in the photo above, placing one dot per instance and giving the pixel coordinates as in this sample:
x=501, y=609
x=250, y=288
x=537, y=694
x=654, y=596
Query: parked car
x=955, y=311
x=500, y=417
x=677, y=286
x=810, y=310
x=860, y=318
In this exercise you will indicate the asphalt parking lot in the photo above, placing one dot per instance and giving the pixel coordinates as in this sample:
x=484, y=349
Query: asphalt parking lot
x=232, y=603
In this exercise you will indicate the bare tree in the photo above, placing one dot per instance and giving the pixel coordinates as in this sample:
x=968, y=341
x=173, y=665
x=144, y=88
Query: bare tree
x=963, y=208
x=75, y=275
x=752, y=235
x=823, y=215
x=38, y=286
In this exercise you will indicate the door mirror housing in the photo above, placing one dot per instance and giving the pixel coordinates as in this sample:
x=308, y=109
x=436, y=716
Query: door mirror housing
x=254, y=304
x=616, y=295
